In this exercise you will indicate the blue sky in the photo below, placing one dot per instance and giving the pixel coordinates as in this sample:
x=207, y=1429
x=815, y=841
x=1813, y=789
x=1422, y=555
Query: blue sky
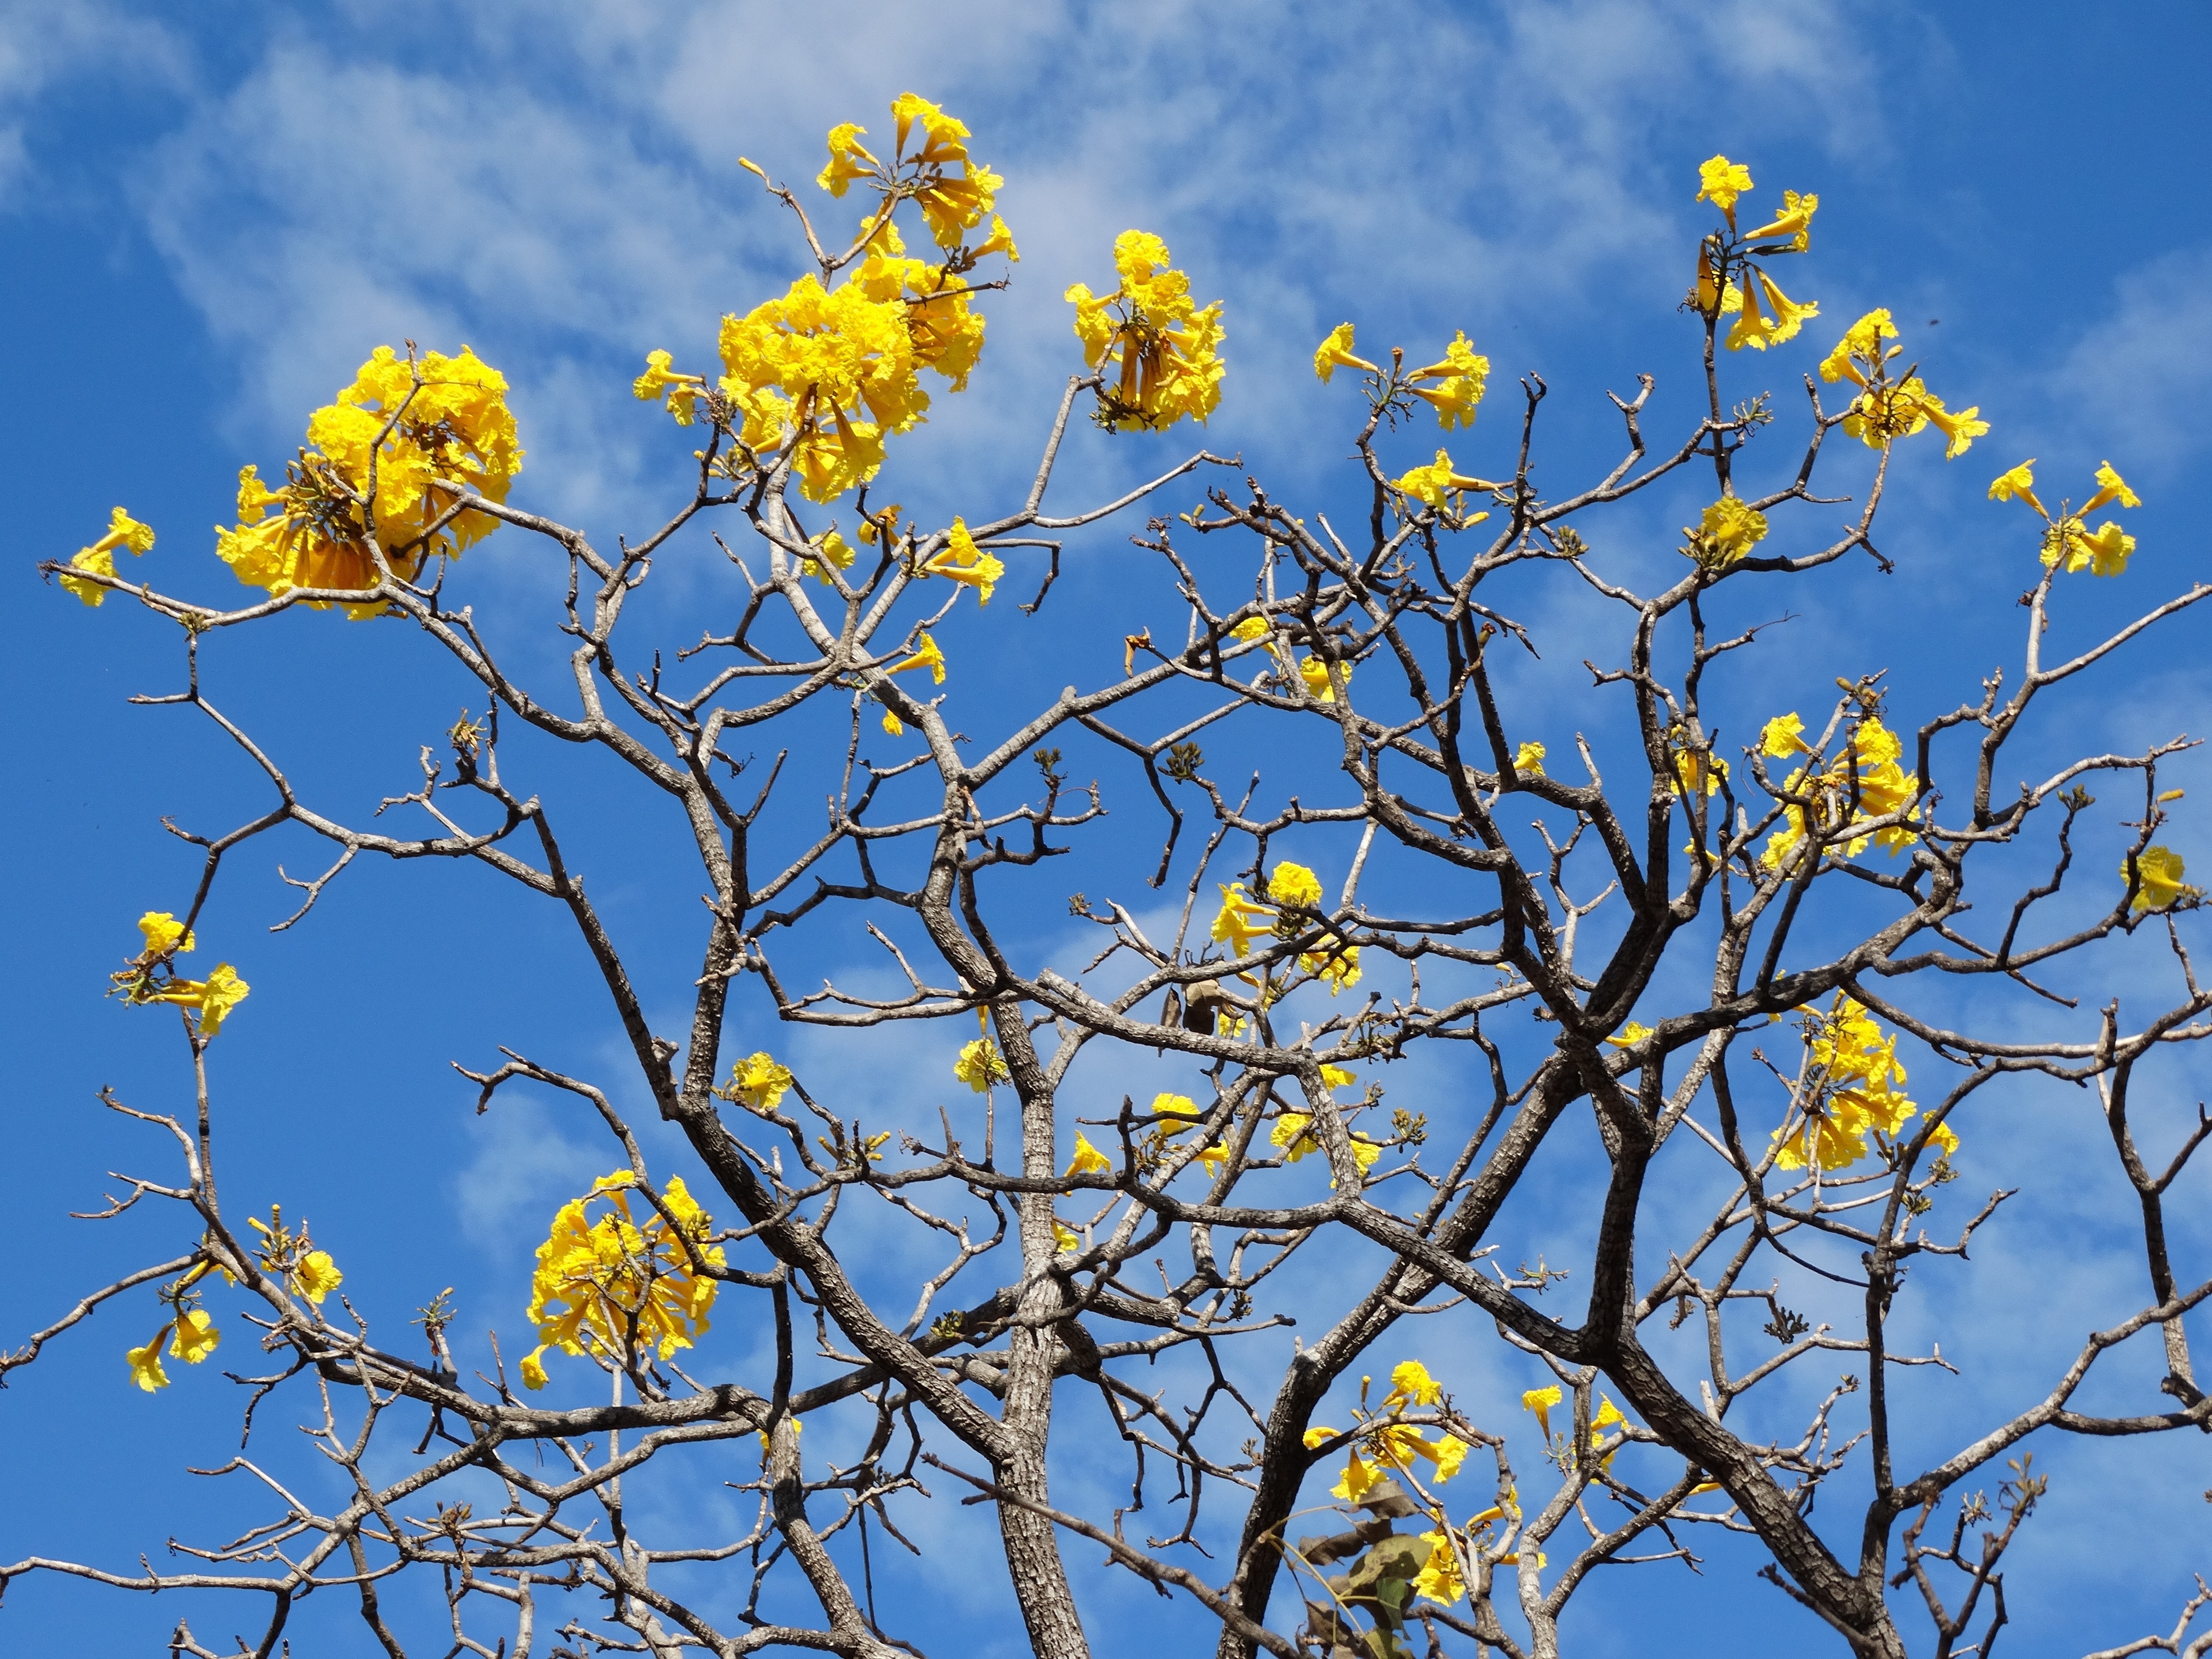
x=209, y=219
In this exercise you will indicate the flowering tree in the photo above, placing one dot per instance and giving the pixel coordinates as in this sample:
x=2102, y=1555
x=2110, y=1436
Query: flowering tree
x=1713, y=964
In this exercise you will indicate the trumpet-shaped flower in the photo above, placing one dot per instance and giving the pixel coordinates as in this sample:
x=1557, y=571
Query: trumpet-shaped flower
x=849, y=159
x=926, y=655
x=980, y=1066
x=1293, y=884
x=1088, y=1159
x=1440, y=484
x=1314, y=672
x=209, y=1001
x=757, y=1082
x=146, y=1363
x=1242, y=919
x=1462, y=375
x=1727, y=530
x=622, y=1284
x=193, y=1337
x=1540, y=1401
x=1850, y=1089
x=1439, y=1579
x=1860, y=354
x=2111, y=487
x=1792, y=225
x=1758, y=329
x=963, y=561
x=1335, y=352
x=2017, y=483
x=164, y=934
x=1720, y=181
x=99, y=559
x=1529, y=758
x=1412, y=1385
x=679, y=392
x=2158, y=872
x=831, y=552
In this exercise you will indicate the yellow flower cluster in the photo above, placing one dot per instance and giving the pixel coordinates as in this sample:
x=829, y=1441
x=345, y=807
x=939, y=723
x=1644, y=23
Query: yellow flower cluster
x=1885, y=412
x=150, y=976
x=1391, y=1447
x=1243, y=919
x=387, y=466
x=826, y=373
x=1293, y=1131
x=963, y=561
x=190, y=1334
x=619, y=1286
x=99, y=559
x=1160, y=352
x=1764, y=315
x=1866, y=781
x=1179, y=1115
x=1462, y=375
x=2067, y=538
x=1724, y=532
x=1850, y=1091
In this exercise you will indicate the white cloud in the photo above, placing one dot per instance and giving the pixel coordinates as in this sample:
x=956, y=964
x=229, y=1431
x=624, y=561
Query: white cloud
x=2136, y=374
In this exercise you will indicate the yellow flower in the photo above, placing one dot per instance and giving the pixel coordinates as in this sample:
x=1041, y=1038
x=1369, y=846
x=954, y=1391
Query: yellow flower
x=1411, y=1384
x=1316, y=1437
x=1945, y=1140
x=951, y=204
x=1357, y=1477
x=1438, y=482
x=1241, y=919
x=962, y=561
x=452, y=435
x=1064, y=1236
x=1959, y=427
x=195, y=1336
x=659, y=377
x=1001, y=240
x=893, y=724
x=1439, y=1579
x=146, y=1363
x=1336, y=1077
x=164, y=933
x=1630, y=1034
x=1213, y=1158
x=1252, y=627
x=1792, y=224
x=1335, y=353
x=1463, y=373
x=832, y=552
x=621, y=1284
x=1755, y=329
x=848, y=159
x=927, y=656
x=1853, y=1074
x=2159, y=870
x=1860, y=352
x=1782, y=736
x=757, y=1081
x=1541, y=1401
x=1293, y=1133
x=99, y=559
x=1529, y=758
x=981, y=1065
x=2019, y=483
x=1333, y=961
x=1727, y=530
x=1293, y=884
x=1314, y=671
x=2108, y=550
x=211, y=999
x=1869, y=766
x=318, y=1276
x=1088, y=1159
x=1720, y=181
x=2111, y=487
x=1158, y=353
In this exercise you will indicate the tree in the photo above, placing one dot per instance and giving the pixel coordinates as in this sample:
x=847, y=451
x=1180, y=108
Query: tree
x=1703, y=975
